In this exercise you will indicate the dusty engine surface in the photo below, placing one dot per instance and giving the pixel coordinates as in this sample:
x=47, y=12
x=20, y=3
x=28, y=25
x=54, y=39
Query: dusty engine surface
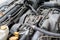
x=30, y=20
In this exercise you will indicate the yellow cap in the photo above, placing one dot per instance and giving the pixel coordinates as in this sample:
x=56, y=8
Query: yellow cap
x=16, y=34
x=13, y=38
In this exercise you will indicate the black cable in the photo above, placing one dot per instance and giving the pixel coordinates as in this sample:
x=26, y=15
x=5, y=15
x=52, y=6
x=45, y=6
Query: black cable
x=32, y=9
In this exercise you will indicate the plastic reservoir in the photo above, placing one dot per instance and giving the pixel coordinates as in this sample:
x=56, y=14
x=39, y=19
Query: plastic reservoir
x=4, y=32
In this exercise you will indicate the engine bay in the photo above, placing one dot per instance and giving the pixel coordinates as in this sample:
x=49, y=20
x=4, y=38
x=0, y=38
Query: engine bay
x=30, y=20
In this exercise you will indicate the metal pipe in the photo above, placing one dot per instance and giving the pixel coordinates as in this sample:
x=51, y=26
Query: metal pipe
x=24, y=36
x=36, y=35
x=9, y=13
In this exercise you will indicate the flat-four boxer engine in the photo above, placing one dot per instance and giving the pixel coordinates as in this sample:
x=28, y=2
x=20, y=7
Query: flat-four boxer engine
x=30, y=20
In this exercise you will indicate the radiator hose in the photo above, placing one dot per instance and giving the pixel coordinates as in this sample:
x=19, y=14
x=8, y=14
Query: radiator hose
x=44, y=31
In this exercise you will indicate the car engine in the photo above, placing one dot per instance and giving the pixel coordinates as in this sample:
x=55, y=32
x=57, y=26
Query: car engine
x=30, y=20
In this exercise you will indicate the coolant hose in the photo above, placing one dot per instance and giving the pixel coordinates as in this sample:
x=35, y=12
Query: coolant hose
x=43, y=31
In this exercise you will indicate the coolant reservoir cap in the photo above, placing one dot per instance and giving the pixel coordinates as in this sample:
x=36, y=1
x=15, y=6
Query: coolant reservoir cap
x=4, y=27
